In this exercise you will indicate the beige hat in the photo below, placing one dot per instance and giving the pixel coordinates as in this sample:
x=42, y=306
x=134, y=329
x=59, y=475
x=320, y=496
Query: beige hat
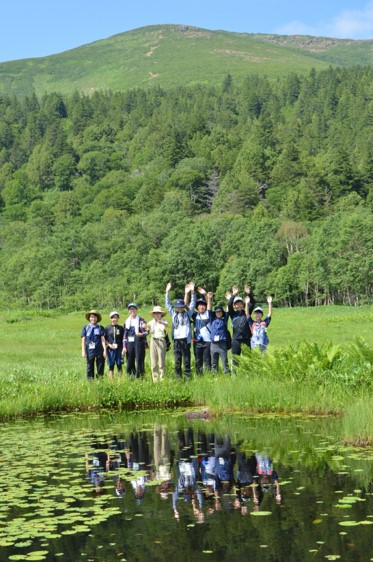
x=114, y=313
x=158, y=309
x=95, y=313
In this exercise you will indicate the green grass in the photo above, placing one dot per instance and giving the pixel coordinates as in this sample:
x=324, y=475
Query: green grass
x=166, y=56
x=320, y=361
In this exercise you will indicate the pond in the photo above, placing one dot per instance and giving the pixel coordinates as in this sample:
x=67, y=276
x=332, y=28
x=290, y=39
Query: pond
x=157, y=486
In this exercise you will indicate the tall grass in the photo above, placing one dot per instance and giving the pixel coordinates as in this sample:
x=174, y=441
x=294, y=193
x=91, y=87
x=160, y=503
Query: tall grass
x=45, y=373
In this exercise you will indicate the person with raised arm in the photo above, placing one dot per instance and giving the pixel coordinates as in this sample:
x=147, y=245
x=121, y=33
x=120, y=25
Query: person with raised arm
x=202, y=331
x=258, y=326
x=181, y=329
x=240, y=329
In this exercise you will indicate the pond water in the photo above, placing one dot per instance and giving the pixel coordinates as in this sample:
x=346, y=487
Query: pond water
x=153, y=486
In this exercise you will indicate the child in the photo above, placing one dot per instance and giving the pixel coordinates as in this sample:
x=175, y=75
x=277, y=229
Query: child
x=241, y=331
x=93, y=344
x=134, y=342
x=158, y=346
x=258, y=326
x=181, y=329
x=202, y=331
x=114, y=344
x=219, y=340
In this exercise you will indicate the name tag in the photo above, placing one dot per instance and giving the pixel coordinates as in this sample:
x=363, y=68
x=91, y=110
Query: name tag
x=216, y=338
x=91, y=345
x=131, y=339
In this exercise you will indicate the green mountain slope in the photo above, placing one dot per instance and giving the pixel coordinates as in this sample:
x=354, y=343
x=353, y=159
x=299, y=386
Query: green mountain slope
x=169, y=55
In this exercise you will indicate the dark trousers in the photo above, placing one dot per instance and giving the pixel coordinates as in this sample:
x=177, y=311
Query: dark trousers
x=202, y=355
x=219, y=349
x=182, y=355
x=100, y=366
x=135, y=358
x=236, y=347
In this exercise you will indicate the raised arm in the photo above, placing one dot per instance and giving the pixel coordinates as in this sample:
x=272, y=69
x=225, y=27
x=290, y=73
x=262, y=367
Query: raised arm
x=269, y=301
x=209, y=296
x=247, y=306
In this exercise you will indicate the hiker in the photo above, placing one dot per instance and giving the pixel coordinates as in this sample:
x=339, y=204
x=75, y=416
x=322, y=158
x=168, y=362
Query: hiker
x=241, y=332
x=181, y=329
x=202, y=331
x=93, y=344
x=258, y=326
x=114, y=344
x=220, y=339
x=134, y=342
x=157, y=328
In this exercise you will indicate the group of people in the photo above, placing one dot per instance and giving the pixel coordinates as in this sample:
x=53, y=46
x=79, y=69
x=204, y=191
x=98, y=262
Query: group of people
x=193, y=320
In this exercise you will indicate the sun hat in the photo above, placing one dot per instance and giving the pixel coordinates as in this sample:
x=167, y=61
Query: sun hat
x=258, y=309
x=132, y=304
x=218, y=308
x=114, y=313
x=95, y=313
x=238, y=299
x=179, y=303
x=158, y=309
x=201, y=300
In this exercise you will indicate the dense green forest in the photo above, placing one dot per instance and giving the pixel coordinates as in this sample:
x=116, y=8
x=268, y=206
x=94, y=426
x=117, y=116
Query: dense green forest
x=105, y=198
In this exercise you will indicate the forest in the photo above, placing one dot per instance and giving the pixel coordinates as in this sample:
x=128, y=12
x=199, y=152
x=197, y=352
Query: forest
x=104, y=198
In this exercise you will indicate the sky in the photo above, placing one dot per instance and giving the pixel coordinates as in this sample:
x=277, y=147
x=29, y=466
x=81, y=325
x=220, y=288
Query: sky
x=37, y=28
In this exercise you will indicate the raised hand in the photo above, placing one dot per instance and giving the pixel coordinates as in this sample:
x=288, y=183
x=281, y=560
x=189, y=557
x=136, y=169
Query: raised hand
x=235, y=290
x=210, y=295
x=201, y=290
x=269, y=299
x=247, y=299
x=247, y=289
x=168, y=287
x=228, y=295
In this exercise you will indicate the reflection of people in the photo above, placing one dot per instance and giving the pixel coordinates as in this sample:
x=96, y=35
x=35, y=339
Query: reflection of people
x=114, y=344
x=265, y=476
x=134, y=342
x=258, y=326
x=245, y=479
x=138, y=460
x=162, y=460
x=225, y=461
x=93, y=344
x=187, y=472
x=158, y=345
x=96, y=466
x=181, y=329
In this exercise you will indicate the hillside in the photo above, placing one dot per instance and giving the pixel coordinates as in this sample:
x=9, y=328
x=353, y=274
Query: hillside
x=171, y=55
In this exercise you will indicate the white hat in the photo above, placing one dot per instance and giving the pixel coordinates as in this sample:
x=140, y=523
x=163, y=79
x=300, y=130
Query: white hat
x=238, y=299
x=114, y=313
x=158, y=309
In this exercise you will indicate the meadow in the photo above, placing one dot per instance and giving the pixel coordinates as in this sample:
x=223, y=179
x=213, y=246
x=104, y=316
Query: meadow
x=320, y=362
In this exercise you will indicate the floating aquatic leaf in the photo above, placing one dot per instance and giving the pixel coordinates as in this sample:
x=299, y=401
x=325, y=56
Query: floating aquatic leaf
x=261, y=513
x=348, y=523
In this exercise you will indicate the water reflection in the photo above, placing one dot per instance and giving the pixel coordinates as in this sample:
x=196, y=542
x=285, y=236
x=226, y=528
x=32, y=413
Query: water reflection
x=276, y=490
x=202, y=470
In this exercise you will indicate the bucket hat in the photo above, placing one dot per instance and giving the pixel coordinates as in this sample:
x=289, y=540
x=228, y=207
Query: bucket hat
x=158, y=309
x=95, y=313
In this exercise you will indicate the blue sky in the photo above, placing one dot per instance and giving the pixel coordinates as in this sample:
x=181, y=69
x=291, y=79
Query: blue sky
x=36, y=28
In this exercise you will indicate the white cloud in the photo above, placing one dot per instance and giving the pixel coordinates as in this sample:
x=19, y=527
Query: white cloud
x=349, y=24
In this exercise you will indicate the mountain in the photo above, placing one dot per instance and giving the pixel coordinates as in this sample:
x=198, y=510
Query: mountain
x=170, y=55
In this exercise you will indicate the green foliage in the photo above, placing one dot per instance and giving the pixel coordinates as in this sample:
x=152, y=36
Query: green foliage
x=266, y=182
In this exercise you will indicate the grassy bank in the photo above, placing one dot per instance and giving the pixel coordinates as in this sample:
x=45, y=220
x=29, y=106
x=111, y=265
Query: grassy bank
x=42, y=371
